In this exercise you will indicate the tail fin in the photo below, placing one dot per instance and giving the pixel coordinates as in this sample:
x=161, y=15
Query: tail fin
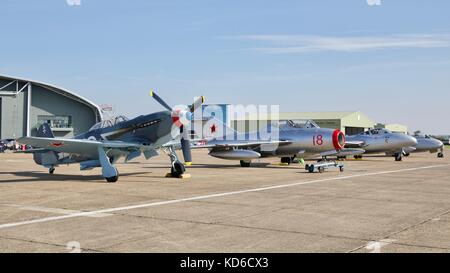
x=45, y=131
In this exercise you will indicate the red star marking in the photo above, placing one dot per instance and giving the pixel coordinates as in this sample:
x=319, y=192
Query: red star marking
x=213, y=128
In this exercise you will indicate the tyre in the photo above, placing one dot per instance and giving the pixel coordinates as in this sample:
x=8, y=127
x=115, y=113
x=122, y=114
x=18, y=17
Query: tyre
x=245, y=164
x=440, y=155
x=51, y=170
x=113, y=179
x=178, y=169
x=286, y=160
x=321, y=169
x=311, y=169
x=398, y=157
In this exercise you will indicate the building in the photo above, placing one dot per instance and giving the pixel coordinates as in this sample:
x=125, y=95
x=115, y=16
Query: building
x=349, y=122
x=396, y=128
x=26, y=104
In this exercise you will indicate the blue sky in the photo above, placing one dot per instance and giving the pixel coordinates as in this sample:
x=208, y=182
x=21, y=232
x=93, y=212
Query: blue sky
x=391, y=61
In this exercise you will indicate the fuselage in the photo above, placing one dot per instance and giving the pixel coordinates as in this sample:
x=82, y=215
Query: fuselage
x=383, y=141
x=154, y=129
x=426, y=144
x=286, y=142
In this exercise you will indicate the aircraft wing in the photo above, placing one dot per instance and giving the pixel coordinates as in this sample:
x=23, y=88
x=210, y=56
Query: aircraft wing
x=77, y=146
x=235, y=143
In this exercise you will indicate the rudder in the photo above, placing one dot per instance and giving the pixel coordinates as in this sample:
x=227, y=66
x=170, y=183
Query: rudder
x=45, y=131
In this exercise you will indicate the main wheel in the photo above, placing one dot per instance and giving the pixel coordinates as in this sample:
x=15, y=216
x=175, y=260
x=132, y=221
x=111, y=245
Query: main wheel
x=440, y=155
x=398, y=157
x=321, y=169
x=178, y=169
x=311, y=169
x=113, y=179
x=245, y=164
x=341, y=169
x=286, y=160
x=51, y=170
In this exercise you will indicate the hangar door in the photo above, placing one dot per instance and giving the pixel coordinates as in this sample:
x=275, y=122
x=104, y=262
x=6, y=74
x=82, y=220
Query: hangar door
x=353, y=130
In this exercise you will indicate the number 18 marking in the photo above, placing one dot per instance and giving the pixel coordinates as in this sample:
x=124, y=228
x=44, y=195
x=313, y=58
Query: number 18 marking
x=318, y=140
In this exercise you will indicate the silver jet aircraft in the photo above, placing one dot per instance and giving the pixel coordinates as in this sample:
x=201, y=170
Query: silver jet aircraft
x=377, y=141
x=294, y=140
x=426, y=143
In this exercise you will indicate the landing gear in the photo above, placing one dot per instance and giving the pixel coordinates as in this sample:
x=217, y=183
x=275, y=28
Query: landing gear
x=398, y=157
x=287, y=160
x=51, y=170
x=246, y=163
x=358, y=156
x=440, y=155
x=109, y=172
x=113, y=179
x=178, y=169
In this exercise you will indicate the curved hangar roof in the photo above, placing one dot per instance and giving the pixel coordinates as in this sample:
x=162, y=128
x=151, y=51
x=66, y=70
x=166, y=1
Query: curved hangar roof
x=16, y=84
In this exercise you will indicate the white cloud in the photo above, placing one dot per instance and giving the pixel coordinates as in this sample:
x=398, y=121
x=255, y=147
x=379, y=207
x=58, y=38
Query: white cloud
x=279, y=44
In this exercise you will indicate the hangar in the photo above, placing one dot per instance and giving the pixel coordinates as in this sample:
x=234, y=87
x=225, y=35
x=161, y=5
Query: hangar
x=349, y=122
x=396, y=128
x=26, y=104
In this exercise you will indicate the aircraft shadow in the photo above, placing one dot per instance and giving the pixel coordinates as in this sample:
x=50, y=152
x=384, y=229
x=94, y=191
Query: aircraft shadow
x=41, y=176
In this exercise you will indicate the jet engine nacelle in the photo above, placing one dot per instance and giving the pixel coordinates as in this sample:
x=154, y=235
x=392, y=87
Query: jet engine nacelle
x=236, y=154
x=318, y=140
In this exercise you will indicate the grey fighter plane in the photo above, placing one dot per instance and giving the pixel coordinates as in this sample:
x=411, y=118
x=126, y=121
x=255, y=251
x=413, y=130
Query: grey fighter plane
x=426, y=143
x=305, y=141
x=377, y=141
x=108, y=141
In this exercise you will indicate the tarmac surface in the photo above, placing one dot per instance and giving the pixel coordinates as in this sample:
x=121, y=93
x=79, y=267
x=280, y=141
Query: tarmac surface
x=376, y=205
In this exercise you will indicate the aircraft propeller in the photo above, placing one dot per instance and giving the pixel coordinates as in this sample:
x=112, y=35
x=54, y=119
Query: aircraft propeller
x=182, y=118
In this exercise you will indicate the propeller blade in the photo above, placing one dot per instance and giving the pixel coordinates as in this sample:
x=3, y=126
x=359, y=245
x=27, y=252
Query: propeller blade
x=186, y=146
x=197, y=103
x=160, y=100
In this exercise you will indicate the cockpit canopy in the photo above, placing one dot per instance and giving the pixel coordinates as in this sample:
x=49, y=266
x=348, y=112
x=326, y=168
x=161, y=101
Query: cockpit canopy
x=420, y=135
x=109, y=123
x=296, y=124
x=377, y=132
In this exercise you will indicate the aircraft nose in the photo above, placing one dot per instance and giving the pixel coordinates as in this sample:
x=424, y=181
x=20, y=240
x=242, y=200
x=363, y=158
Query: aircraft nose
x=409, y=141
x=439, y=143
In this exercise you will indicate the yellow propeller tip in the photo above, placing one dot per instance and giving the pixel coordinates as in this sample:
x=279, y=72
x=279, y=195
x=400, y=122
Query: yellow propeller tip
x=203, y=99
x=188, y=163
x=151, y=93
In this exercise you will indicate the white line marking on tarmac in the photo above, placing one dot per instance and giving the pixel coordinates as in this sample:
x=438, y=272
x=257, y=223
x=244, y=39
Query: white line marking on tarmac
x=55, y=210
x=196, y=198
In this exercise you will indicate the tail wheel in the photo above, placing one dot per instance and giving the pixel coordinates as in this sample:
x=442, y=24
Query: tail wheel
x=51, y=170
